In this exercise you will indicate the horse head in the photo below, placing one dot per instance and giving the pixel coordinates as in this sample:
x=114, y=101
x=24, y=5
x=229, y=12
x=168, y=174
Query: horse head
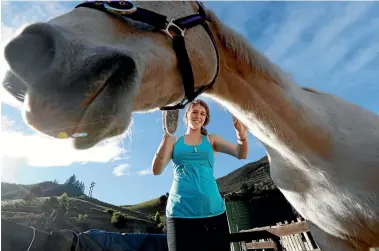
x=86, y=71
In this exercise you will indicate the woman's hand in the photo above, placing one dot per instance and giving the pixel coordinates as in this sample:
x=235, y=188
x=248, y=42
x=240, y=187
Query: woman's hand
x=165, y=148
x=170, y=121
x=240, y=129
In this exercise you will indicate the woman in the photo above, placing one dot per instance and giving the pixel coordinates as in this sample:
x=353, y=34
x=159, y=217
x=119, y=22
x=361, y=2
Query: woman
x=195, y=211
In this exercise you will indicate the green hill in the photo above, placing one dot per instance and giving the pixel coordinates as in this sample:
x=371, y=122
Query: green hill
x=52, y=206
x=72, y=187
x=254, y=176
x=49, y=214
x=39, y=205
x=146, y=207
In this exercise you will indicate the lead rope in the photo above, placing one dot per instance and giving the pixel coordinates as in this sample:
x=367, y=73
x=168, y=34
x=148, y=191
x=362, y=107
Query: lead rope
x=77, y=238
x=34, y=236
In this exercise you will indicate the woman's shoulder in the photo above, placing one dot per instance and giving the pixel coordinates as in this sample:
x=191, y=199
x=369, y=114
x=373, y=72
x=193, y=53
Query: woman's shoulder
x=171, y=138
x=214, y=138
x=211, y=137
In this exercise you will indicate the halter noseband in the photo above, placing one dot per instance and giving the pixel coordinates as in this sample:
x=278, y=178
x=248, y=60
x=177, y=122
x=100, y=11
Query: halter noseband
x=125, y=9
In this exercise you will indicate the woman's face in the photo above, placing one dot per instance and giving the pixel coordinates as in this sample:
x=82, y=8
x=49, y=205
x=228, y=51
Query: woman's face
x=196, y=116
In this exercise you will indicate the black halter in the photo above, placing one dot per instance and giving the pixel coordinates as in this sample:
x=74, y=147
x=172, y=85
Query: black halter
x=125, y=9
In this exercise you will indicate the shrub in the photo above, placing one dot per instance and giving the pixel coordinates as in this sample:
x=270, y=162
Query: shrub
x=82, y=220
x=119, y=220
x=63, y=202
x=50, y=203
x=109, y=211
x=157, y=217
x=244, y=188
x=82, y=217
x=163, y=200
x=53, y=201
x=160, y=228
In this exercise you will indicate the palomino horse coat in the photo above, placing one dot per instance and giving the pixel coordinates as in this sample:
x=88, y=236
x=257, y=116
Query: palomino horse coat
x=87, y=71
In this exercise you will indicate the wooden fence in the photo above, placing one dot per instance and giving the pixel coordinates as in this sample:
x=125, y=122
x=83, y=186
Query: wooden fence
x=294, y=236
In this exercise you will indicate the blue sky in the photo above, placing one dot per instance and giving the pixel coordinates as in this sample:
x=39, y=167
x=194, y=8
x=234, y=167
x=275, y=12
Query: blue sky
x=330, y=46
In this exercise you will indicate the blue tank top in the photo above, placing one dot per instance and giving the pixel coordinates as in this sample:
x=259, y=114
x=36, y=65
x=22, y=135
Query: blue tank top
x=194, y=192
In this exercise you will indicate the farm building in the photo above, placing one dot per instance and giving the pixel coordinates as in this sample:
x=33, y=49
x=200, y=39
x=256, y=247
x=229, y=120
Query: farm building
x=254, y=202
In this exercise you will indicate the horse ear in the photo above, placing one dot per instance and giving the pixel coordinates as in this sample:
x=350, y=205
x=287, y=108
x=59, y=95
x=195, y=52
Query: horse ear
x=170, y=121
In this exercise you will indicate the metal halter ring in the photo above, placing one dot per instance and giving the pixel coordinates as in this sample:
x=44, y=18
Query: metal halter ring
x=171, y=24
x=124, y=7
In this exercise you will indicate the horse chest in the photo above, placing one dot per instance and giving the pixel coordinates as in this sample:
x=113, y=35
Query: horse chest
x=313, y=196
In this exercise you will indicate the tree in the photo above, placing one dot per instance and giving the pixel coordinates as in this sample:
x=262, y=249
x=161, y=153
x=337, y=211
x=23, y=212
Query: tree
x=81, y=186
x=73, y=182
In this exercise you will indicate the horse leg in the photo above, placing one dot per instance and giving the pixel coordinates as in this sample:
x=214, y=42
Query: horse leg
x=328, y=242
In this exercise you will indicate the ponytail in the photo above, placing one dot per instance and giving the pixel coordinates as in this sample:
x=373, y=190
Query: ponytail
x=204, y=131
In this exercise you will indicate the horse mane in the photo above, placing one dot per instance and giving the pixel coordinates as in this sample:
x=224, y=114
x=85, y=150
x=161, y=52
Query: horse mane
x=308, y=89
x=246, y=53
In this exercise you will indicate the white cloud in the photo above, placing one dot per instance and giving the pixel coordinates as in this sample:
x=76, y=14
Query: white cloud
x=43, y=151
x=335, y=52
x=351, y=14
x=7, y=33
x=364, y=57
x=144, y=172
x=298, y=22
x=121, y=170
x=6, y=124
x=9, y=169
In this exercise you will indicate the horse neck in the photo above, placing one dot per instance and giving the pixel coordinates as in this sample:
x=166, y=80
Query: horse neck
x=258, y=93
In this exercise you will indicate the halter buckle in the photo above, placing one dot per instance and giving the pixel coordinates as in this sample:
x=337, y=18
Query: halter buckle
x=121, y=7
x=171, y=24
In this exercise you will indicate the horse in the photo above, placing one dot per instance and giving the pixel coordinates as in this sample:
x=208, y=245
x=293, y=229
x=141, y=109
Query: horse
x=90, y=68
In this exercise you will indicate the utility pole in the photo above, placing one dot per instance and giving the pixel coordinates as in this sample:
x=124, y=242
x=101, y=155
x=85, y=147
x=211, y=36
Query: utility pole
x=91, y=189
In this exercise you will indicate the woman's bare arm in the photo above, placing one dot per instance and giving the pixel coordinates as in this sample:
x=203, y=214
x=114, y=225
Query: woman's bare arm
x=239, y=150
x=163, y=154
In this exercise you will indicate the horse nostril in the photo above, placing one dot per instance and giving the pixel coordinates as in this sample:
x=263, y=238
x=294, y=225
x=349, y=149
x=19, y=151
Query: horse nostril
x=32, y=51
